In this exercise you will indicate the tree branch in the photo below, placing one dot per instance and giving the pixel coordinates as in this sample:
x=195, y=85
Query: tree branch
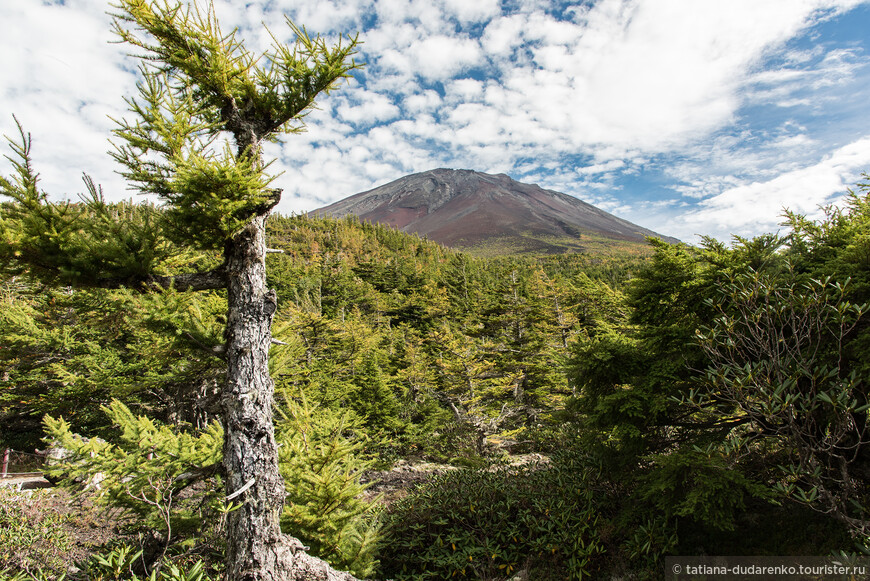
x=215, y=279
x=197, y=474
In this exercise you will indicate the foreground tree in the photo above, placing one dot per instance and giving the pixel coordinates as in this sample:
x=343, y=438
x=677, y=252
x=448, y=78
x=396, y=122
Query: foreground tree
x=741, y=377
x=205, y=107
x=787, y=350
x=780, y=364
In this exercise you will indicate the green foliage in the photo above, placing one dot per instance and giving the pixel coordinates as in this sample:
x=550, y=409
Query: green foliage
x=778, y=365
x=117, y=564
x=149, y=468
x=375, y=401
x=490, y=524
x=37, y=576
x=146, y=470
x=201, y=88
x=120, y=564
x=472, y=349
x=703, y=487
x=739, y=377
x=67, y=351
x=765, y=528
x=91, y=243
x=322, y=469
x=199, y=82
x=632, y=374
x=445, y=353
x=202, y=187
x=647, y=544
x=32, y=541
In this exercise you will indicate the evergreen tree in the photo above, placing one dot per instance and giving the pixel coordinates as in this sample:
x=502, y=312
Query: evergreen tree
x=320, y=462
x=66, y=351
x=199, y=86
x=374, y=400
x=144, y=468
x=480, y=397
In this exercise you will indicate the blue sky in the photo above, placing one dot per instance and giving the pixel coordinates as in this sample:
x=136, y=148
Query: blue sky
x=689, y=117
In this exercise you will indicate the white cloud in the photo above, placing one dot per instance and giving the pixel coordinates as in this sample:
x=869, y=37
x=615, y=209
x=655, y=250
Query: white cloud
x=424, y=14
x=574, y=102
x=366, y=108
x=423, y=101
x=657, y=73
x=652, y=76
x=476, y=11
x=326, y=17
x=793, y=141
x=807, y=85
x=62, y=87
x=503, y=35
x=599, y=168
x=464, y=90
x=436, y=57
x=757, y=207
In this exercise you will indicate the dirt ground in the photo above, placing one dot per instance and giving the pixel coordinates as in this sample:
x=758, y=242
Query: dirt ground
x=48, y=518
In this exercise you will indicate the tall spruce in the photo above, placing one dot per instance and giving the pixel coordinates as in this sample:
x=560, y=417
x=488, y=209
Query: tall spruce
x=205, y=106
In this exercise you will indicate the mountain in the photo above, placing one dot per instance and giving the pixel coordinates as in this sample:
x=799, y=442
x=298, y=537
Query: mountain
x=490, y=214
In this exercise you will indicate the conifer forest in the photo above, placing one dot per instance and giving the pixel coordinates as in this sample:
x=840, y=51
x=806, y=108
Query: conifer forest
x=248, y=396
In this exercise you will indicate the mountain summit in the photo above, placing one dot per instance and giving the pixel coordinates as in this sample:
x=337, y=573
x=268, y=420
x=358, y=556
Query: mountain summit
x=489, y=213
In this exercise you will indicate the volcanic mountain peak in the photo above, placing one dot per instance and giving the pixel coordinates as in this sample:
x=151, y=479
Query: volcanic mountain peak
x=469, y=209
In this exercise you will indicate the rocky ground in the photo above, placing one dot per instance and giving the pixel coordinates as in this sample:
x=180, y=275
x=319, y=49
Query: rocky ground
x=29, y=482
x=394, y=484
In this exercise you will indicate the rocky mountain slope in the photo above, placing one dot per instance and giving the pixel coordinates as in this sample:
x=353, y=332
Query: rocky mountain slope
x=489, y=213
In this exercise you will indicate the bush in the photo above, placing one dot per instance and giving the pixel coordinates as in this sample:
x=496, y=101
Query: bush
x=163, y=477
x=119, y=563
x=116, y=565
x=321, y=466
x=488, y=524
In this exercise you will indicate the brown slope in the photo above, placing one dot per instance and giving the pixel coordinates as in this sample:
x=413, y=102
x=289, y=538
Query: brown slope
x=468, y=209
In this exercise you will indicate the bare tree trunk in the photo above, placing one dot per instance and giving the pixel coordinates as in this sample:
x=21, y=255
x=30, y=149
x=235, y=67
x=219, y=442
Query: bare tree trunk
x=256, y=548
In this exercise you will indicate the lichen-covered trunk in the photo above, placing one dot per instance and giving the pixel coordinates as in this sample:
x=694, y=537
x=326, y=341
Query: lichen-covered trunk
x=256, y=549
x=250, y=450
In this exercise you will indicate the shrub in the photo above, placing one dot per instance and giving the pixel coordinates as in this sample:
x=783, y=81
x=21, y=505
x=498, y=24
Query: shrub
x=151, y=470
x=147, y=472
x=118, y=564
x=321, y=466
x=488, y=524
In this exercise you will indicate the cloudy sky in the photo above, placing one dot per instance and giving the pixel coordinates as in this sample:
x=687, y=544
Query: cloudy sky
x=685, y=116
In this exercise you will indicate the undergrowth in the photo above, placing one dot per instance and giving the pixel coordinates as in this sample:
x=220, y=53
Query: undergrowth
x=492, y=523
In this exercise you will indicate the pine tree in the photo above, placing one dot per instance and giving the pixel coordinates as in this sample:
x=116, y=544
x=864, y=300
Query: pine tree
x=374, y=399
x=199, y=86
x=469, y=385
x=144, y=468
